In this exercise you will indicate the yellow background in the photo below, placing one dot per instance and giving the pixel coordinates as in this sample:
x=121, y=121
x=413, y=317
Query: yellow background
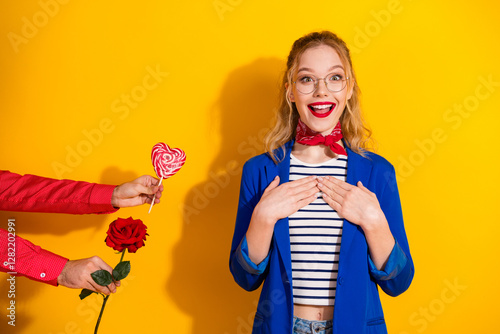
x=415, y=60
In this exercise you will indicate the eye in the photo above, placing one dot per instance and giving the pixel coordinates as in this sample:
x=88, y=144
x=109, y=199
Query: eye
x=306, y=79
x=334, y=77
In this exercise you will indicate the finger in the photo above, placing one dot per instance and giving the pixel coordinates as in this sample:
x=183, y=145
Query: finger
x=105, y=290
x=327, y=187
x=362, y=187
x=111, y=287
x=141, y=189
x=333, y=184
x=146, y=198
x=335, y=194
x=95, y=287
x=147, y=180
x=332, y=180
x=308, y=200
x=332, y=203
x=306, y=193
x=325, y=182
x=153, y=180
x=303, y=191
x=152, y=192
x=303, y=181
x=274, y=183
x=305, y=184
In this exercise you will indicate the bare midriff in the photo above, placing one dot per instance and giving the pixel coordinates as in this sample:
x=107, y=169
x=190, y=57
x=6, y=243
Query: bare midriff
x=313, y=312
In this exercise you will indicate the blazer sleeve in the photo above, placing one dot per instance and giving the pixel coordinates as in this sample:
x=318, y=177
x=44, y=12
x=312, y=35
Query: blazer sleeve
x=396, y=276
x=31, y=193
x=247, y=274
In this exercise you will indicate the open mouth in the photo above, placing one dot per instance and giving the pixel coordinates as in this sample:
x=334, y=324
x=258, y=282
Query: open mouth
x=321, y=109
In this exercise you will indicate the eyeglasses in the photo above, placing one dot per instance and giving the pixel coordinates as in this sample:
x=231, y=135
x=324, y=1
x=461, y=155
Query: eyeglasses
x=306, y=84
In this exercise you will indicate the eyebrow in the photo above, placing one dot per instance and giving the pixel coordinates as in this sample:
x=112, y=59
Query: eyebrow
x=307, y=69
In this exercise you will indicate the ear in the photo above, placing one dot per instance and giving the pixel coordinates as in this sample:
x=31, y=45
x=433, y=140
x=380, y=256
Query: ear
x=290, y=93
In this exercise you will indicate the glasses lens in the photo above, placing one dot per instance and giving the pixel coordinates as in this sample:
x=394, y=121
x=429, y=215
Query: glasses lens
x=334, y=83
x=305, y=85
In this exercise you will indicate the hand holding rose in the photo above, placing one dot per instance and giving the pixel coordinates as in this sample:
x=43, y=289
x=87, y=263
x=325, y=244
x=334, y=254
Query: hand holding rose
x=76, y=275
x=123, y=234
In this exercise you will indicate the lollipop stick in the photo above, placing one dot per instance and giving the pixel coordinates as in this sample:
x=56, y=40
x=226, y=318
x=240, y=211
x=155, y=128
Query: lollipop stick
x=154, y=197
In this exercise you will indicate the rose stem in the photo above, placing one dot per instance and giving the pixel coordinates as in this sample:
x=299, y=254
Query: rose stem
x=100, y=314
x=123, y=253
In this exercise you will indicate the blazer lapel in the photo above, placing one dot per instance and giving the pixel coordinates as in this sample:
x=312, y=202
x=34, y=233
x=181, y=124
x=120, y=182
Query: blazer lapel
x=281, y=229
x=358, y=169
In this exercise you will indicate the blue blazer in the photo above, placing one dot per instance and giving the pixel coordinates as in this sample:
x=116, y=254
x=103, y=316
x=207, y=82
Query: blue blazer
x=357, y=302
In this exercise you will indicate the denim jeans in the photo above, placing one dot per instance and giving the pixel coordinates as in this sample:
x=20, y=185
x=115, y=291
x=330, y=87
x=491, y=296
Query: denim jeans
x=303, y=326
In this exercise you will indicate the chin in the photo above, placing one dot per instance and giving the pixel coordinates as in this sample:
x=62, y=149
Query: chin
x=322, y=126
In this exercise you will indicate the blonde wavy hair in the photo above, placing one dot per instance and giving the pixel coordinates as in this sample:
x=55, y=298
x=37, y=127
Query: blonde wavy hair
x=356, y=134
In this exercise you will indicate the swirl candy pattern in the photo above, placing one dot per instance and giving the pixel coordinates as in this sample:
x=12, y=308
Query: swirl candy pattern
x=167, y=161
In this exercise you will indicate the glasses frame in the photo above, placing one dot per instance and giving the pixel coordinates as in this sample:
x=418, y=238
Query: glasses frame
x=316, y=81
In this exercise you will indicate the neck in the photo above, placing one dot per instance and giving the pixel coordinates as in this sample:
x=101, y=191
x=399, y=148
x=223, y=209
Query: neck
x=313, y=154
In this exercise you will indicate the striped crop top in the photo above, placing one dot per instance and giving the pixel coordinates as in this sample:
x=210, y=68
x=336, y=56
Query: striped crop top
x=315, y=235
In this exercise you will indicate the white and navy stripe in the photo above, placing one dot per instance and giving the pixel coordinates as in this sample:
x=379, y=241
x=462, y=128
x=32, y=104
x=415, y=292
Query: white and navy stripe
x=315, y=236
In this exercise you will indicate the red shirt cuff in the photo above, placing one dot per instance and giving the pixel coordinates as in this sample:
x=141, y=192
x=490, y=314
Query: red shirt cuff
x=47, y=267
x=100, y=198
x=23, y=258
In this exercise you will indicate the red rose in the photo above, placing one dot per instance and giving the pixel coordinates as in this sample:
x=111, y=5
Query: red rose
x=126, y=233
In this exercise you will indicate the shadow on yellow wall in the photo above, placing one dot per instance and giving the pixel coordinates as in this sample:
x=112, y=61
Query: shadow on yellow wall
x=201, y=283
x=52, y=224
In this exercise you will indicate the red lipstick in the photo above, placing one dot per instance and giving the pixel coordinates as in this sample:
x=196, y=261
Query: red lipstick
x=321, y=109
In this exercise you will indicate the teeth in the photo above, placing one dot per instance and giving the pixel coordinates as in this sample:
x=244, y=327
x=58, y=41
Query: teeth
x=323, y=106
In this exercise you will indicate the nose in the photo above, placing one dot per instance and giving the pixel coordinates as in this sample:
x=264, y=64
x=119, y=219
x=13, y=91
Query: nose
x=321, y=89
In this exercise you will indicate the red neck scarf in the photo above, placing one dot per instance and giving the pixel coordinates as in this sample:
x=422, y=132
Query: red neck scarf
x=307, y=136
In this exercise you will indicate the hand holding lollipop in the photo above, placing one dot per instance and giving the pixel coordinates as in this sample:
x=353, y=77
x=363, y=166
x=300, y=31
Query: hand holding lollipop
x=166, y=162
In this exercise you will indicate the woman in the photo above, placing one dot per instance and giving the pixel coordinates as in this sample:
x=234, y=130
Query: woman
x=319, y=217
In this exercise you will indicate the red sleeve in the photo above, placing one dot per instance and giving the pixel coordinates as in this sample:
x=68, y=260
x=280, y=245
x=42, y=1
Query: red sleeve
x=33, y=193
x=19, y=257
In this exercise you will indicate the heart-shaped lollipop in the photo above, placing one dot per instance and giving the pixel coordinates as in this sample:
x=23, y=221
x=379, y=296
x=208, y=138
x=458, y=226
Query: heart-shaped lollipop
x=166, y=161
